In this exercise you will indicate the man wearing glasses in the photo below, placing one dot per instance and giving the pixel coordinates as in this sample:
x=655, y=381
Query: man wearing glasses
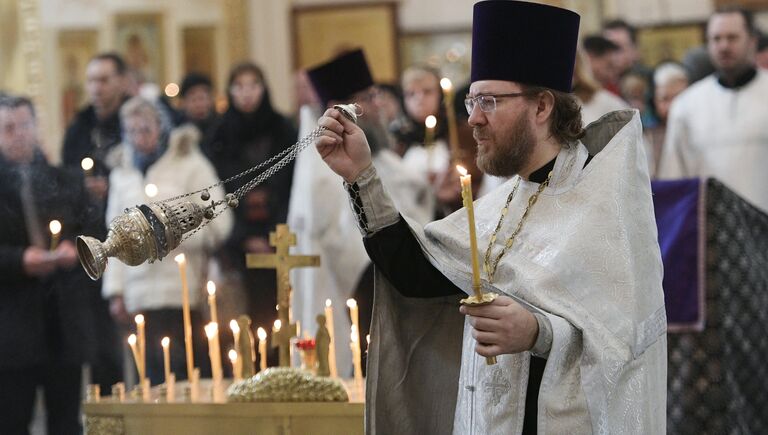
x=568, y=244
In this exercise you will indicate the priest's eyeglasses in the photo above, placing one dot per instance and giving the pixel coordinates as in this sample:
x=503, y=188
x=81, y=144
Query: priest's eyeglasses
x=487, y=102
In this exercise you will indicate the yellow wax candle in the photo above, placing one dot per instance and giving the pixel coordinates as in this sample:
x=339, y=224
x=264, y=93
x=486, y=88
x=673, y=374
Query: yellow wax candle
x=232, y=354
x=429, y=133
x=214, y=351
x=354, y=338
x=135, y=352
x=182, y=262
x=211, y=287
x=142, y=343
x=87, y=165
x=262, y=333
x=466, y=195
x=55, y=227
x=453, y=134
x=331, y=333
x=166, y=343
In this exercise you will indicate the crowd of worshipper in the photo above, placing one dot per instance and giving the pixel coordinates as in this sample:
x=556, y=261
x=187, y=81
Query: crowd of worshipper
x=53, y=319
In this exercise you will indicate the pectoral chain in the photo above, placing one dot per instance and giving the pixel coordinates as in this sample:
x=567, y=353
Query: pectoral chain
x=490, y=266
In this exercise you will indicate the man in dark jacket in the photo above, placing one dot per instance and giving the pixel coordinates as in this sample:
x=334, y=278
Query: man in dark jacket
x=94, y=132
x=45, y=325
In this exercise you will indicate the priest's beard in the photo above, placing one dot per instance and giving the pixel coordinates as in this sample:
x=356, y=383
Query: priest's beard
x=509, y=151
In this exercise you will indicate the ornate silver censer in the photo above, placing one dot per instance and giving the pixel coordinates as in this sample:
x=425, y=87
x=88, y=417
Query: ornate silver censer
x=148, y=232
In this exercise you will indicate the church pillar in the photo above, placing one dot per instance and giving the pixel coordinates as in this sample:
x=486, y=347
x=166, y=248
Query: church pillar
x=270, y=47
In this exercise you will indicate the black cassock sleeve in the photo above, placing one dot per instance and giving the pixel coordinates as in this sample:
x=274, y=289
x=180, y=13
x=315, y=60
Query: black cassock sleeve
x=398, y=255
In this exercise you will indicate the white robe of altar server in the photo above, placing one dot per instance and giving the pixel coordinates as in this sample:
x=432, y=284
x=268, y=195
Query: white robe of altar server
x=718, y=132
x=320, y=215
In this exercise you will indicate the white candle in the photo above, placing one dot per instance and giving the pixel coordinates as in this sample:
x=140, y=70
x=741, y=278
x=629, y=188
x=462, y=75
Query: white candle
x=166, y=343
x=214, y=351
x=232, y=354
x=262, y=333
x=211, y=287
x=142, y=343
x=332, y=347
x=429, y=134
x=135, y=352
x=354, y=345
x=182, y=262
x=55, y=227
x=453, y=134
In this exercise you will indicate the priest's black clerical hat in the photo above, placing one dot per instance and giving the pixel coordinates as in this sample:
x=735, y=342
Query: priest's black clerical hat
x=341, y=77
x=524, y=42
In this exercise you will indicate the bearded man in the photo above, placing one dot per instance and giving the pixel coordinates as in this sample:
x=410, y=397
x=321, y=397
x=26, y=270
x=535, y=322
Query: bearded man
x=579, y=327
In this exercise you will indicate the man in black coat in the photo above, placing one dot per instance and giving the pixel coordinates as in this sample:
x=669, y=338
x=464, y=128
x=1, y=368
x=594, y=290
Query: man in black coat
x=45, y=320
x=94, y=132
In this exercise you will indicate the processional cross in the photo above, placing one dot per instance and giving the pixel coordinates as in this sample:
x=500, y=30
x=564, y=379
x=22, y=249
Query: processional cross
x=282, y=238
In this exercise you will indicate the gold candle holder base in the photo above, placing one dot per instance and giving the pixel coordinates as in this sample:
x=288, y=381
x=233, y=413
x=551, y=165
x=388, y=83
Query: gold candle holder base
x=118, y=392
x=479, y=300
x=93, y=393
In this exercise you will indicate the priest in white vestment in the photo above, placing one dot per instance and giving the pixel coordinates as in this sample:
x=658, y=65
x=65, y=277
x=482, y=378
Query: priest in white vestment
x=579, y=325
x=718, y=127
x=320, y=213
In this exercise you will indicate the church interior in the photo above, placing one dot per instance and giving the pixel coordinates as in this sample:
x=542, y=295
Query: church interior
x=180, y=259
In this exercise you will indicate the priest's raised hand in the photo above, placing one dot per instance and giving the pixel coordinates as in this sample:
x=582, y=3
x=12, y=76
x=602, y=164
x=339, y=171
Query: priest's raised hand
x=501, y=327
x=343, y=145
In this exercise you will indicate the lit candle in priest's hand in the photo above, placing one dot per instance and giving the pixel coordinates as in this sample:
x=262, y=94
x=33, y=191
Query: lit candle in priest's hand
x=429, y=133
x=262, y=333
x=166, y=343
x=211, y=287
x=87, y=165
x=55, y=227
x=478, y=298
x=331, y=333
x=141, y=336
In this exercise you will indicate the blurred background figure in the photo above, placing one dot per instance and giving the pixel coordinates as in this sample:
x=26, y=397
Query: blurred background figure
x=252, y=131
x=94, y=132
x=603, y=56
x=159, y=163
x=761, y=58
x=669, y=80
x=46, y=323
x=595, y=100
x=628, y=58
x=197, y=107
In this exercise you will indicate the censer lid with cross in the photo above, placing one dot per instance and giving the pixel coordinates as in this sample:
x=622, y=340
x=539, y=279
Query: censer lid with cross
x=148, y=232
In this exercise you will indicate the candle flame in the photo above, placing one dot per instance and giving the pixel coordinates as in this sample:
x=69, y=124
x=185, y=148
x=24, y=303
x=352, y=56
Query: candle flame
x=368, y=339
x=132, y=339
x=211, y=286
x=446, y=84
x=165, y=342
x=211, y=329
x=461, y=170
x=180, y=258
x=351, y=303
x=261, y=333
x=234, y=326
x=55, y=226
x=151, y=190
x=278, y=324
x=327, y=302
x=431, y=121
x=139, y=319
x=232, y=355
x=86, y=164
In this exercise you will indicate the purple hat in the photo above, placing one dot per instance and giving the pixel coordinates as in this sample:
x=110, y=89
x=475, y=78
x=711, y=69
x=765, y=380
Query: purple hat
x=341, y=77
x=524, y=42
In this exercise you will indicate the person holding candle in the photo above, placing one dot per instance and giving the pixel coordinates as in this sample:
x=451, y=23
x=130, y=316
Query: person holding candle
x=318, y=210
x=46, y=327
x=568, y=245
x=172, y=161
